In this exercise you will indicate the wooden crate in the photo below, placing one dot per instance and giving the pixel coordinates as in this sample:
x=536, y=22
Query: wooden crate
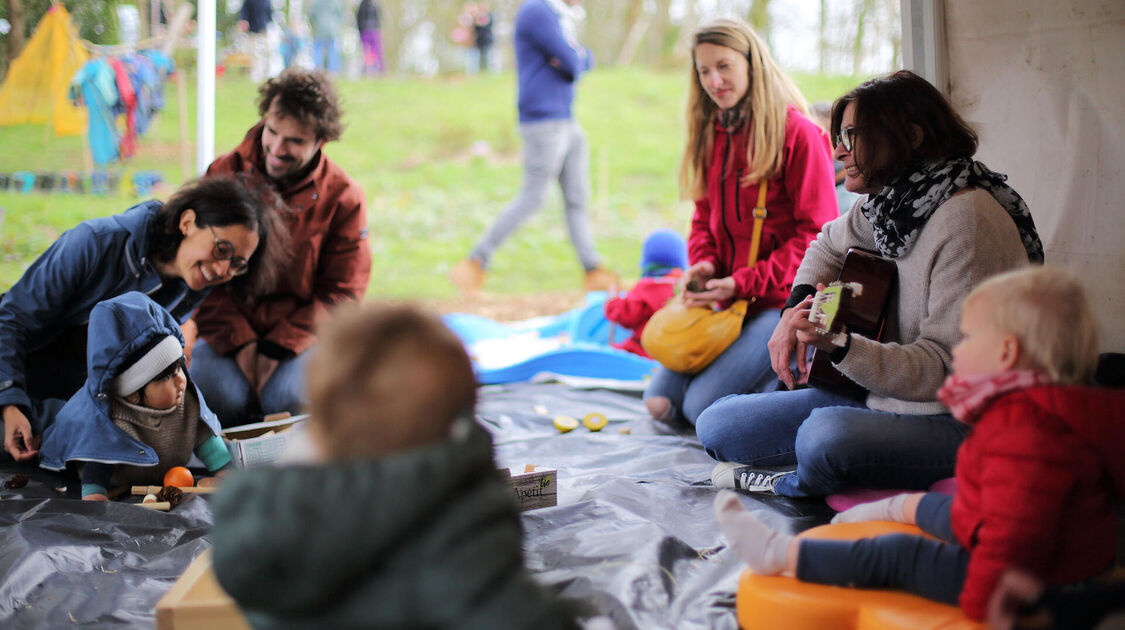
x=197, y=602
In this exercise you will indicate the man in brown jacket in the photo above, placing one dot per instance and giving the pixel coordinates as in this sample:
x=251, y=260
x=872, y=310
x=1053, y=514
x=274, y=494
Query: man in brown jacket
x=248, y=360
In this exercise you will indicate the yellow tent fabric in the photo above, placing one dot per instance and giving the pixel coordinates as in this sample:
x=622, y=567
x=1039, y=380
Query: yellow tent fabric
x=38, y=82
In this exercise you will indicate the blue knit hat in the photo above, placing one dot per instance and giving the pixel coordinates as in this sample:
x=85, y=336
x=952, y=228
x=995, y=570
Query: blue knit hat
x=663, y=251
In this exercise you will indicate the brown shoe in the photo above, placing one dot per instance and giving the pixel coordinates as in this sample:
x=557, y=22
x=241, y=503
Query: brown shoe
x=467, y=275
x=599, y=279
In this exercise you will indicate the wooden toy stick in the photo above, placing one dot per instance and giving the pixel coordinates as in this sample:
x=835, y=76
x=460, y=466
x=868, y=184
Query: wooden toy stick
x=143, y=490
x=161, y=506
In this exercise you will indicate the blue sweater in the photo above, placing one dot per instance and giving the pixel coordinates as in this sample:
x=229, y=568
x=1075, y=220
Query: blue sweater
x=545, y=91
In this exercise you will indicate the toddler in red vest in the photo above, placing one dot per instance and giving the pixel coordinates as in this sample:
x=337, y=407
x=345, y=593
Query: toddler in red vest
x=663, y=259
x=1036, y=476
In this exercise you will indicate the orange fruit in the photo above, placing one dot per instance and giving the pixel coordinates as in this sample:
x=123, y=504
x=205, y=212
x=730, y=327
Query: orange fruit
x=179, y=477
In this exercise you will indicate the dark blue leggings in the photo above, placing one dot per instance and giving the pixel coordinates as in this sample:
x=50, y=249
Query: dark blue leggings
x=934, y=569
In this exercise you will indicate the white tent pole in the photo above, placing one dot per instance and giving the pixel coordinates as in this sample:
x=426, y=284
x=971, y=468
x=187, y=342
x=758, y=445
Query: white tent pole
x=923, y=41
x=205, y=92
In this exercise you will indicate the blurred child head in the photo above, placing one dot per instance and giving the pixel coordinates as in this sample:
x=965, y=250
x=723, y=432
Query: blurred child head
x=1036, y=318
x=663, y=251
x=386, y=378
x=154, y=376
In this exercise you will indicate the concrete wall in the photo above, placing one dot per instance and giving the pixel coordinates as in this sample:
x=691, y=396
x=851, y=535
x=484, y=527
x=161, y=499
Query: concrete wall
x=1043, y=82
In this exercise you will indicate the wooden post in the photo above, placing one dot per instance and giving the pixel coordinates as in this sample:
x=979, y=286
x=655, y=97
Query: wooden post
x=603, y=184
x=175, y=28
x=185, y=148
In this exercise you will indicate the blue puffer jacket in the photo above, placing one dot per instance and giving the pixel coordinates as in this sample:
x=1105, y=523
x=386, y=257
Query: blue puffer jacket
x=83, y=429
x=96, y=260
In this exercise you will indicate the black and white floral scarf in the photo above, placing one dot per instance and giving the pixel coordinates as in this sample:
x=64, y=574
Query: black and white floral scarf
x=900, y=210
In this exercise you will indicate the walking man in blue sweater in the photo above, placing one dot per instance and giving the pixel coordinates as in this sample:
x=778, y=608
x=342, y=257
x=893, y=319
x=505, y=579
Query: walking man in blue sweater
x=549, y=60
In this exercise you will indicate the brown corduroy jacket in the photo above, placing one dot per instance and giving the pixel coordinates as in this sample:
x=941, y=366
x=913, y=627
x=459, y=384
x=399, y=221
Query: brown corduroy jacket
x=330, y=261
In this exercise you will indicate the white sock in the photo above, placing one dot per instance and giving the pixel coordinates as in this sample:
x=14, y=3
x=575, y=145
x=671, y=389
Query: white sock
x=762, y=548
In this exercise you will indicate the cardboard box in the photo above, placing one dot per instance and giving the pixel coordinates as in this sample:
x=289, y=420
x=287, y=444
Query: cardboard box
x=534, y=488
x=197, y=602
x=262, y=442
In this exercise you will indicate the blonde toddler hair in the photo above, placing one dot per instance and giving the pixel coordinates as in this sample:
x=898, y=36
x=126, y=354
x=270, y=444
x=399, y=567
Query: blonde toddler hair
x=1047, y=310
x=385, y=378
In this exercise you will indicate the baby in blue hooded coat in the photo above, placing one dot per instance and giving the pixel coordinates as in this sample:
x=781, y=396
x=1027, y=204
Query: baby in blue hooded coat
x=138, y=414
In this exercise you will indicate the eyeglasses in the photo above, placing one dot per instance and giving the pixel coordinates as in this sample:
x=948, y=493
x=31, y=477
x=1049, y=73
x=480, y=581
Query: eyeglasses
x=846, y=138
x=224, y=250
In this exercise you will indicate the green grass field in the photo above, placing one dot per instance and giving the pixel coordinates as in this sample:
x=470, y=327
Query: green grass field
x=438, y=159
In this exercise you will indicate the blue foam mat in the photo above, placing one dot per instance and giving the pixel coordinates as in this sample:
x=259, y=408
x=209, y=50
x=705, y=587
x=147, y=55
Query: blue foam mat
x=584, y=337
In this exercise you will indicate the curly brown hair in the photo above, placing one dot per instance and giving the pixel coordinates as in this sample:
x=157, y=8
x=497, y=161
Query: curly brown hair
x=306, y=95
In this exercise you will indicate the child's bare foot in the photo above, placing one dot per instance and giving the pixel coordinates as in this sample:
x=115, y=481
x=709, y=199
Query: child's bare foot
x=764, y=549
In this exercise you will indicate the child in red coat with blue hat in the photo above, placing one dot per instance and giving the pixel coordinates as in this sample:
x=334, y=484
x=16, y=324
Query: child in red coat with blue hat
x=1036, y=477
x=663, y=259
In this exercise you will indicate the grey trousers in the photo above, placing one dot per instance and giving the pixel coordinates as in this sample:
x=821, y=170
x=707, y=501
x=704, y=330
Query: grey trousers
x=552, y=150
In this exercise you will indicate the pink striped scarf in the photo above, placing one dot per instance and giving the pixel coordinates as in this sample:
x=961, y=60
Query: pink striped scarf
x=966, y=396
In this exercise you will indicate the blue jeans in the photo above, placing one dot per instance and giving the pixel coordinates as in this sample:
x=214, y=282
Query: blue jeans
x=934, y=569
x=326, y=54
x=553, y=150
x=743, y=367
x=227, y=391
x=835, y=442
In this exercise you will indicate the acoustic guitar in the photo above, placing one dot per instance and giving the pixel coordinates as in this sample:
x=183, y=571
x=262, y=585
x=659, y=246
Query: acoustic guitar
x=857, y=303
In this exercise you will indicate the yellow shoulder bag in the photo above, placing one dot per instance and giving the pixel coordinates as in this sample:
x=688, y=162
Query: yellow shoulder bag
x=686, y=339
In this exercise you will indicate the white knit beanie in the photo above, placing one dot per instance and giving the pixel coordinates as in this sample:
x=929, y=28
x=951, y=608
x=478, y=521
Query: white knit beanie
x=136, y=376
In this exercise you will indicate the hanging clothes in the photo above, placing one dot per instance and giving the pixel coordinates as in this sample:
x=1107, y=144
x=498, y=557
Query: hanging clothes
x=126, y=104
x=95, y=85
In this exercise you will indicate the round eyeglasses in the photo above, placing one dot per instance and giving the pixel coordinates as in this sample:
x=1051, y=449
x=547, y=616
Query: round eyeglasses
x=224, y=250
x=846, y=138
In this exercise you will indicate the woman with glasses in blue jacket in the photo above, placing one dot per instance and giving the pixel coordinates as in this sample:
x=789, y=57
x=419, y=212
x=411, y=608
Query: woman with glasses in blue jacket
x=211, y=231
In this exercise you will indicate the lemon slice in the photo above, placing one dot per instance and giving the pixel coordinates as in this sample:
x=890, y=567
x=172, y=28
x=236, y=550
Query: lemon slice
x=595, y=421
x=565, y=424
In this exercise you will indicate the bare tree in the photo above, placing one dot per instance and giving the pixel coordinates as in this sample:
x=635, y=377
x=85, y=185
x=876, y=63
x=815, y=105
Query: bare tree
x=759, y=19
x=857, y=46
x=822, y=37
x=17, y=17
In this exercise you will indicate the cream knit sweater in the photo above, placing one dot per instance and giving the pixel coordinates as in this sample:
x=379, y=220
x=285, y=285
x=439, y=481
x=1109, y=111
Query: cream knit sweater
x=967, y=239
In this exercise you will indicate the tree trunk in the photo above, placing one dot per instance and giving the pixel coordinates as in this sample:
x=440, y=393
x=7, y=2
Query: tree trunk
x=682, y=49
x=143, y=11
x=822, y=37
x=635, y=24
x=759, y=19
x=17, y=17
x=857, y=47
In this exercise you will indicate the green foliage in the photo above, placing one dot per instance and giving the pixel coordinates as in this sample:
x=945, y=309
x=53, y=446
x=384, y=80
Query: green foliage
x=439, y=160
x=95, y=20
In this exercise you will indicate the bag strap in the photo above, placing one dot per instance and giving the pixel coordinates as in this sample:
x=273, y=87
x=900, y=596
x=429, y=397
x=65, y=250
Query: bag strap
x=759, y=220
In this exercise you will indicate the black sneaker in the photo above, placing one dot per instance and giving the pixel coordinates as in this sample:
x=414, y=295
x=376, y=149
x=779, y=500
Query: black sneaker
x=749, y=478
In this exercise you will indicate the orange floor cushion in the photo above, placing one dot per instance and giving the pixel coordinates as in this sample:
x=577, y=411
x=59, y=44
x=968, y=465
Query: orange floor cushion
x=784, y=603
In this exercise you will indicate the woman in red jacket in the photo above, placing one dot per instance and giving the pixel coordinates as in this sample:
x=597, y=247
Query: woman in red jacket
x=1036, y=478
x=747, y=129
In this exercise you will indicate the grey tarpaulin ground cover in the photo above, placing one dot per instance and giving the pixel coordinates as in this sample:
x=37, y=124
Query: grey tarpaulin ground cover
x=633, y=535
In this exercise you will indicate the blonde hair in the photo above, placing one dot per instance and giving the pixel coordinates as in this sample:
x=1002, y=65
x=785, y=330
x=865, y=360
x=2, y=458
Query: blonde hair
x=386, y=378
x=1047, y=310
x=764, y=108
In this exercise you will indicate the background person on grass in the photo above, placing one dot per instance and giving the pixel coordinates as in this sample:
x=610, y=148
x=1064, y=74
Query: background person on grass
x=549, y=60
x=948, y=222
x=211, y=231
x=747, y=125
